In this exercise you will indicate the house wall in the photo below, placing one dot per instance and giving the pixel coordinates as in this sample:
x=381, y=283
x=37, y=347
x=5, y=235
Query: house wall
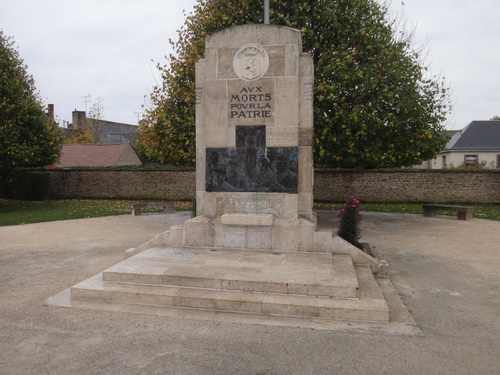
x=398, y=186
x=129, y=157
x=455, y=159
x=428, y=164
x=490, y=158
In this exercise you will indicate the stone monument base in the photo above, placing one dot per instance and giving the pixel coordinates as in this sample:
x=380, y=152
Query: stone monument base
x=244, y=263
x=331, y=283
x=320, y=285
x=258, y=232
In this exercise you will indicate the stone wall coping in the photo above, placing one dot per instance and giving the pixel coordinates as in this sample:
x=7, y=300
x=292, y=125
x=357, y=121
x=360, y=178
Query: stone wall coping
x=365, y=171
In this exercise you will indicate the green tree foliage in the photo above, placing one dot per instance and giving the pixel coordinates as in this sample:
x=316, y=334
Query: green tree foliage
x=374, y=107
x=28, y=137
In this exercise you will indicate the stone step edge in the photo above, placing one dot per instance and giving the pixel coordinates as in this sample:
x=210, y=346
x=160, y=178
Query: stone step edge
x=232, y=285
x=155, y=289
x=243, y=302
x=368, y=287
x=345, y=288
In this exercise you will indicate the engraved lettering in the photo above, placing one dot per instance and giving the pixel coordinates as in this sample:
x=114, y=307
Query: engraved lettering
x=251, y=89
x=250, y=102
x=231, y=205
x=250, y=106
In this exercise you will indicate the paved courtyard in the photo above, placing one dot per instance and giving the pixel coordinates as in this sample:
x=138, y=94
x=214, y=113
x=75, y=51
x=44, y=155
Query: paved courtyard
x=446, y=271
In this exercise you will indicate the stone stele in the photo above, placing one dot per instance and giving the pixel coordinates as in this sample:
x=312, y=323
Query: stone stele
x=254, y=123
x=254, y=130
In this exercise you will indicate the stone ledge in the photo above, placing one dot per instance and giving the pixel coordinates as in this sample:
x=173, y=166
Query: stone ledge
x=265, y=220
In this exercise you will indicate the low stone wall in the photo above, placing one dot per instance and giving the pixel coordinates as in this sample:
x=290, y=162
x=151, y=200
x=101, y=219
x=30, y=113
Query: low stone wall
x=398, y=186
x=134, y=184
x=408, y=186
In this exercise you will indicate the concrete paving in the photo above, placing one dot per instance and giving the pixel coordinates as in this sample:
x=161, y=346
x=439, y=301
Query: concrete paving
x=446, y=271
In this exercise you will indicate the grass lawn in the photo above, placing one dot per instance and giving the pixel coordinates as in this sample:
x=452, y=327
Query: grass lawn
x=481, y=211
x=14, y=212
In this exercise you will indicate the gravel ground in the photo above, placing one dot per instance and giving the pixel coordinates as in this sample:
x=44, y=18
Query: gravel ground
x=446, y=271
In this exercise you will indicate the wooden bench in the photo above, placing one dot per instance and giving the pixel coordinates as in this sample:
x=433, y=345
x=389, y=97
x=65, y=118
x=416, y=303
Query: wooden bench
x=463, y=212
x=137, y=208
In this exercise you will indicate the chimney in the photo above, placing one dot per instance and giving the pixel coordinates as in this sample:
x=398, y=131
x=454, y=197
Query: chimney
x=78, y=118
x=51, y=111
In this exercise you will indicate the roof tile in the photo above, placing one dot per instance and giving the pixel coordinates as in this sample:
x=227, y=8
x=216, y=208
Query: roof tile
x=90, y=155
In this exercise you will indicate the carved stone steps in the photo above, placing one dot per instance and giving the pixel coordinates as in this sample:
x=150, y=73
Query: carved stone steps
x=243, y=281
x=240, y=270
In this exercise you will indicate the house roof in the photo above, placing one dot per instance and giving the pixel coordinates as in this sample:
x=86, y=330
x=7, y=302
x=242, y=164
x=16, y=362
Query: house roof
x=115, y=132
x=477, y=136
x=91, y=155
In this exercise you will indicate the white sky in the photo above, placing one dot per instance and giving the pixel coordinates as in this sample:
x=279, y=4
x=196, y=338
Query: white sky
x=105, y=48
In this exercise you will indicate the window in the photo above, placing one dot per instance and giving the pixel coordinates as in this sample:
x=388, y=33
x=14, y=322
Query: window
x=443, y=161
x=470, y=160
x=498, y=161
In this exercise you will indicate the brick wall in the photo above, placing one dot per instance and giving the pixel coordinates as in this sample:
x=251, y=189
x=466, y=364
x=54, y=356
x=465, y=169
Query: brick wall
x=431, y=186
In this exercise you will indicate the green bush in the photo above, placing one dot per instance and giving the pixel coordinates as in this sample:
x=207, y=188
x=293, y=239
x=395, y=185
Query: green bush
x=31, y=185
x=5, y=184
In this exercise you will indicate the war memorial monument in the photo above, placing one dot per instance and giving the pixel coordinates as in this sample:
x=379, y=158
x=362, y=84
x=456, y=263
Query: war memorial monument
x=253, y=246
